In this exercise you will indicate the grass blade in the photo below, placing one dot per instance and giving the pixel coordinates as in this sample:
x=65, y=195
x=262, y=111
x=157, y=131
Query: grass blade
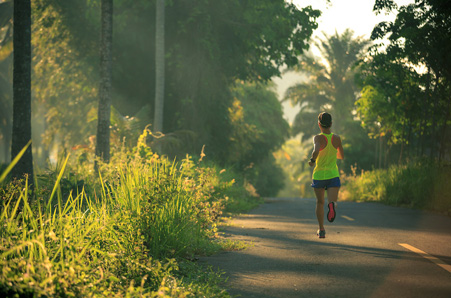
x=14, y=162
x=55, y=187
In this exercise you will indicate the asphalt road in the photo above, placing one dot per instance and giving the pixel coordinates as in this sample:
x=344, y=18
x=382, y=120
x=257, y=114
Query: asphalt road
x=361, y=256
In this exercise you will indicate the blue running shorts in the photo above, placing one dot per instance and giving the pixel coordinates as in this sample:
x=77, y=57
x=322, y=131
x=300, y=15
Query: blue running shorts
x=334, y=182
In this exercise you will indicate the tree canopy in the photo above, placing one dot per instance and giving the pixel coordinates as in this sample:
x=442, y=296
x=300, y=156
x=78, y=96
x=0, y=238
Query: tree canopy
x=406, y=87
x=331, y=83
x=208, y=46
x=330, y=87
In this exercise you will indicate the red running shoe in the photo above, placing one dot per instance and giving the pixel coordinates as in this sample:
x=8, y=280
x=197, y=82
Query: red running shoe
x=332, y=213
x=321, y=233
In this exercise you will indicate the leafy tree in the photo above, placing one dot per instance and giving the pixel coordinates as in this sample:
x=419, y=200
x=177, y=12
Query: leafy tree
x=259, y=129
x=331, y=87
x=64, y=71
x=245, y=40
x=104, y=109
x=390, y=104
x=291, y=157
x=267, y=177
x=421, y=33
x=22, y=89
x=421, y=110
x=259, y=126
x=209, y=45
x=331, y=84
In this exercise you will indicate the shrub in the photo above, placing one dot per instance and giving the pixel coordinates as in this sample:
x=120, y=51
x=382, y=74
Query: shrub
x=122, y=238
x=419, y=184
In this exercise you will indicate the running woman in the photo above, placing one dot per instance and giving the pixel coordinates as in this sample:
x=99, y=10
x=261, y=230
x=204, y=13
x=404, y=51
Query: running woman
x=327, y=148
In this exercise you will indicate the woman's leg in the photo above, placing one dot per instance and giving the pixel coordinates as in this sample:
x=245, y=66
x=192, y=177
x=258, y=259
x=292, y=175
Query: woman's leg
x=332, y=197
x=319, y=193
x=332, y=194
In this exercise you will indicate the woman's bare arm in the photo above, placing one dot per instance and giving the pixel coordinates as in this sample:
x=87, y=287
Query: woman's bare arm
x=316, y=149
x=340, y=153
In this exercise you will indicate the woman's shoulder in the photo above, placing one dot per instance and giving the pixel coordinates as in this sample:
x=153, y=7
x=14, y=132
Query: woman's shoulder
x=319, y=137
x=336, y=140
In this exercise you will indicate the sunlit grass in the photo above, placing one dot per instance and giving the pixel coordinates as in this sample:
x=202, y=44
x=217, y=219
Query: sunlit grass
x=423, y=185
x=121, y=233
x=77, y=248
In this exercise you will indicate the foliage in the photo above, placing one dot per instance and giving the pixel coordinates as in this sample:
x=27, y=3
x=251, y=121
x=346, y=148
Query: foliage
x=258, y=130
x=359, y=149
x=201, y=281
x=421, y=33
x=292, y=158
x=330, y=85
x=62, y=78
x=419, y=184
x=267, y=177
x=412, y=77
x=234, y=39
x=120, y=237
x=394, y=101
x=259, y=126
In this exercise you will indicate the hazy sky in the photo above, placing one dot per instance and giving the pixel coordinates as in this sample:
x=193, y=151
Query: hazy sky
x=341, y=14
x=337, y=16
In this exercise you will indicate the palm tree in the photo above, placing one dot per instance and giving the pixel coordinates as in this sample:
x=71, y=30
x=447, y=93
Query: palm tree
x=330, y=85
x=22, y=89
x=159, y=68
x=104, y=111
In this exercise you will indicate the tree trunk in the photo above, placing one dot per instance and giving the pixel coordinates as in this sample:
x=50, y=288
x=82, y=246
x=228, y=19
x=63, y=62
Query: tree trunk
x=402, y=144
x=376, y=153
x=409, y=141
x=443, y=132
x=104, y=110
x=159, y=68
x=425, y=111
x=386, y=151
x=21, y=133
x=381, y=138
x=434, y=134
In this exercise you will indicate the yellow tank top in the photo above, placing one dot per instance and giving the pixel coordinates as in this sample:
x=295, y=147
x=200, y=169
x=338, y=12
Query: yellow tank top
x=326, y=162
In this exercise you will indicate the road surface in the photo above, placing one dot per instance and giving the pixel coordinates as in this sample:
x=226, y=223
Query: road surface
x=370, y=250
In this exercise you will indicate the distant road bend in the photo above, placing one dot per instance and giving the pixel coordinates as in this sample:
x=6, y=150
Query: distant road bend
x=370, y=250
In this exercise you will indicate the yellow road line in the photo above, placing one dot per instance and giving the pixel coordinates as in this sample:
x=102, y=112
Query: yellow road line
x=347, y=217
x=425, y=255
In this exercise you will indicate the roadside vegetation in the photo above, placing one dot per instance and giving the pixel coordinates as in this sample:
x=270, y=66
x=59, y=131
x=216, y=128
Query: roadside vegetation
x=391, y=106
x=132, y=231
x=420, y=184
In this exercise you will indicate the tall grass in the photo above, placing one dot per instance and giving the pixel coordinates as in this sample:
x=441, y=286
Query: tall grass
x=80, y=248
x=420, y=184
x=120, y=238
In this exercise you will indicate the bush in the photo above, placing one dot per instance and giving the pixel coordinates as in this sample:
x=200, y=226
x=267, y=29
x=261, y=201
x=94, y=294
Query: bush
x=420, y=184
x=124, y=237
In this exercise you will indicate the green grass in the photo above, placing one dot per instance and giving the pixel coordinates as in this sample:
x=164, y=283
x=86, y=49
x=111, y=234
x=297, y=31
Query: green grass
x=421, y=184
x=128, y=232
x=242, y=205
